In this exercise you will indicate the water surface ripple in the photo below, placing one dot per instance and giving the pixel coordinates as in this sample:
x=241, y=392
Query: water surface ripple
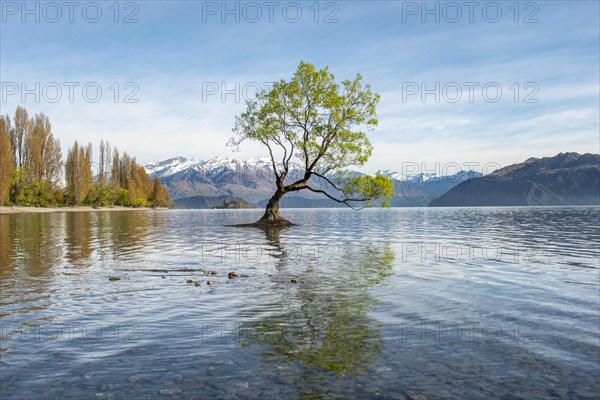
x=393, y=303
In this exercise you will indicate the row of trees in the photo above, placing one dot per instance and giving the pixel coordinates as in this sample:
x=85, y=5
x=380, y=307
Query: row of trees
x=32, y=172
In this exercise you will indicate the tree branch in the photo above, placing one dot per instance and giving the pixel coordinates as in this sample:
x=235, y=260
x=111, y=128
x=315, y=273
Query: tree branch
x=327, y=180
x=266, y=143
x=341, y=201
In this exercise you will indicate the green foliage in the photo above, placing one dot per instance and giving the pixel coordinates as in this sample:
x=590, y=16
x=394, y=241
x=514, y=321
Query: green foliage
x=78, y=173
x=140, y=202
x=122, y=197
x=7, y=158
x=17, y=185
x=37, y=194
x=322, y=124
x=234, y=204
x=30, y=144
x=42, y=156
x=368, y=188
x=59, y=197
x=100, y=195
x=160, y=196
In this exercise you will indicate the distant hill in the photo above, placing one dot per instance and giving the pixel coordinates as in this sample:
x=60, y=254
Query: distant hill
x=565, y=179
x=234, y=204
x=202, y=201
x=194, y=183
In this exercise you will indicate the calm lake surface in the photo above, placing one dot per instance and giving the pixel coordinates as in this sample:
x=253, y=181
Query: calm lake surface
x=388, y=303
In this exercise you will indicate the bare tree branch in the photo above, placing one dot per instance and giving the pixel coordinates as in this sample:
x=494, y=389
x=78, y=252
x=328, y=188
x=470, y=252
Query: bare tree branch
x=327, y=180
x=341, y=201
x=266, y=143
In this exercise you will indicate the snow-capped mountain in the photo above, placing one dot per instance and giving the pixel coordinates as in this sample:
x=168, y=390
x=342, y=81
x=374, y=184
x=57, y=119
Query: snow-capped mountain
x=210, y=182
x=195, y=183
x=419, y=177
x=423, y=177
x=213, y=166
x=392, y=174
x=170, y=166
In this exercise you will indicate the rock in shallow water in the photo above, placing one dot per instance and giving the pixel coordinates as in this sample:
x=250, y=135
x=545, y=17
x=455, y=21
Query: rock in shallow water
x=170, y=391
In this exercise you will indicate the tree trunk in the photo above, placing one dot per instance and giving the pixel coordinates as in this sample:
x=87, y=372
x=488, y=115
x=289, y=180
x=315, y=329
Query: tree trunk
x=272, y=215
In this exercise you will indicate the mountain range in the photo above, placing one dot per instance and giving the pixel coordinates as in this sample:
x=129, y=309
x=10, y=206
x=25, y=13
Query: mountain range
x=195, y=183
x=565, y=179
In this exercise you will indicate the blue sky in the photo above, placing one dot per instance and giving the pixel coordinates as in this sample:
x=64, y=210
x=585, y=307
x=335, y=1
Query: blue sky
x=176, y=57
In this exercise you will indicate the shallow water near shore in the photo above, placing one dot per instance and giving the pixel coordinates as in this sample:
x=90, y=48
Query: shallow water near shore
x=382, y=303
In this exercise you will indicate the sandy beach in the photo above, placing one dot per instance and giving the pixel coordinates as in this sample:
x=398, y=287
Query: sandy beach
x=17, y=210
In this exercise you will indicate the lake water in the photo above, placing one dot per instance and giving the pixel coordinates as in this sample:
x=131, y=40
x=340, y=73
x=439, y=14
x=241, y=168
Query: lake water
x=387, y=303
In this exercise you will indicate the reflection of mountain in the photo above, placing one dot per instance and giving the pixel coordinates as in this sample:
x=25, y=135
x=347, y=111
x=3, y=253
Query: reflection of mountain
x=324, y=330
x=565, y=179
x=195, y=183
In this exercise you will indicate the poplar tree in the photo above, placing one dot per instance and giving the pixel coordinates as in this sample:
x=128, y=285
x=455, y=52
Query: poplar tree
x=104, y=162
x=31, y=165
x=42, y=156
x=160, y=195
x=78, y=173
x=7, y=159
x=21, y=123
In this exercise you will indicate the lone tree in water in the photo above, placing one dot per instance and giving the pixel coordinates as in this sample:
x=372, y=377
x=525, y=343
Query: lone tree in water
x=323, y=125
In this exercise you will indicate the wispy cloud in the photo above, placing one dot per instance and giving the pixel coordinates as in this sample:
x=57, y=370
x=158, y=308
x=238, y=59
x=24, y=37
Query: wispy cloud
x=171, y=55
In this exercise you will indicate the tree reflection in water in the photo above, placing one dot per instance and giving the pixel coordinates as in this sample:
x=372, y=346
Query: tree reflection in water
x=324, y=330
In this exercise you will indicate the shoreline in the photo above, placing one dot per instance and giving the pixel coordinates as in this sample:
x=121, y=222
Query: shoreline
x=40, y=210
